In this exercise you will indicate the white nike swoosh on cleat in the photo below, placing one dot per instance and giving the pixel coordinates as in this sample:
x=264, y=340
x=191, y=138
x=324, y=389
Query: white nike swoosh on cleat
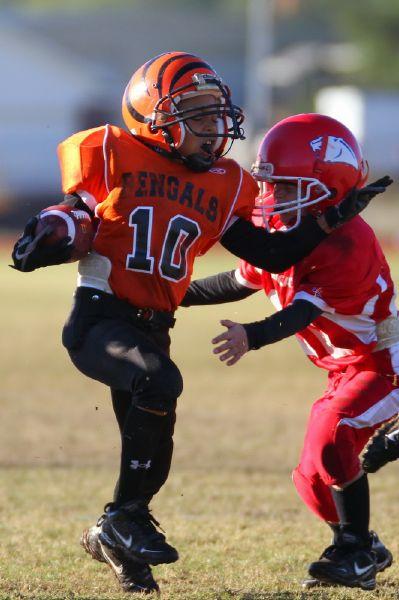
x=360, y=570
x=152, y=551
x=126, y=541
x=118, y=569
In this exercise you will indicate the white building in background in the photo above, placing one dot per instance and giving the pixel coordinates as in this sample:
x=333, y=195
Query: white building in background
x=373, y=117
x=62, y=71
x=42, y=98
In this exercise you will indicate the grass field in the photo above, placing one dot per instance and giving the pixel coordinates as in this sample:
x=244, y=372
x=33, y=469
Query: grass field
x=229, y=505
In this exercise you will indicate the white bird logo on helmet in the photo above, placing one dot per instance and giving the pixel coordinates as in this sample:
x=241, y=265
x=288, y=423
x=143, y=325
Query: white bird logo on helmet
x=337, y=150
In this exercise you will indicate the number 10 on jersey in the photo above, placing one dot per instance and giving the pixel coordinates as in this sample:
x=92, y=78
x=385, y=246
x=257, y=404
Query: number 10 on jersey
x=180, y=236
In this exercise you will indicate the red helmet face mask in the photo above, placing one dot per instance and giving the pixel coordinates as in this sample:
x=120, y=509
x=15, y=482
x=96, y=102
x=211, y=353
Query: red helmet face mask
x=306, y=163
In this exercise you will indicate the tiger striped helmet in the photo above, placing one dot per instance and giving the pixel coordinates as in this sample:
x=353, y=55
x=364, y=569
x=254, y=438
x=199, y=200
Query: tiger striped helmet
x=150, y=105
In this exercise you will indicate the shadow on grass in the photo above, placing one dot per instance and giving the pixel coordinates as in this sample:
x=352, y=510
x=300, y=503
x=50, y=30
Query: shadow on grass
x=269, y=595
x=278, y=595
x=318, y=592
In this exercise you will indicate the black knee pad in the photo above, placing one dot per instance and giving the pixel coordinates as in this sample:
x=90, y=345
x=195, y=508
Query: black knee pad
x=159, y=389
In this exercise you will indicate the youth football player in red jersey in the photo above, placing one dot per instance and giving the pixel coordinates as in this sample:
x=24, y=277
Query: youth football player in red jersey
x=340, y=303
x=161, y=194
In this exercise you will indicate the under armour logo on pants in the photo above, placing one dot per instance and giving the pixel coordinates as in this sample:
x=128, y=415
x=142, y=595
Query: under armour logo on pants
x=136, y=464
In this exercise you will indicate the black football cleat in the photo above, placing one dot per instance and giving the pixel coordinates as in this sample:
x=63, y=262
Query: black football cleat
x=341, y=566
x=383, y=560
x=133, y=577
x=349, y=562
x=383, y=557
x=132, y=530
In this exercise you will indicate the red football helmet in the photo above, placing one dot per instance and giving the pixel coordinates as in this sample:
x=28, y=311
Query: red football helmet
x=316, y=153
x=150, y=105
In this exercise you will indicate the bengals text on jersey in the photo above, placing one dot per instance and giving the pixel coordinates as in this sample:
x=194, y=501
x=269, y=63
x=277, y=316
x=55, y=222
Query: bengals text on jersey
x=152, y=222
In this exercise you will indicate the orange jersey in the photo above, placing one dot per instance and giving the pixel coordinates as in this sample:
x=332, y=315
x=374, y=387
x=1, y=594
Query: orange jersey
x=155, y=215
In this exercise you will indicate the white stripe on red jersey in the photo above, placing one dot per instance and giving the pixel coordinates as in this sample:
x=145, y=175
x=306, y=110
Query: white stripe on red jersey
x=348, y=278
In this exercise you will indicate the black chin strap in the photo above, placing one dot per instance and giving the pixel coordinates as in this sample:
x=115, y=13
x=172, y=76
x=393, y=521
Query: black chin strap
x=194, y=162
x=173, y=155
x=198, y=163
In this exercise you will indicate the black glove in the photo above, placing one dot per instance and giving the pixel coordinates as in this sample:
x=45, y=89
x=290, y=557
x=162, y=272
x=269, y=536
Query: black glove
x=29, y=255
x=383, y=447
x=355, y=202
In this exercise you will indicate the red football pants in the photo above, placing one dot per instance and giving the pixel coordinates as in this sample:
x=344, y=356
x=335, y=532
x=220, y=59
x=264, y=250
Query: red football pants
x=341, y=422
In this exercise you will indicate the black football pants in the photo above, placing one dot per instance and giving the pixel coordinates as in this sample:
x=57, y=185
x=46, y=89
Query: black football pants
x=133, y=360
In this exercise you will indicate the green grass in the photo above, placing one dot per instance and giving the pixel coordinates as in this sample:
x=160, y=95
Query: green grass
x=229, y=504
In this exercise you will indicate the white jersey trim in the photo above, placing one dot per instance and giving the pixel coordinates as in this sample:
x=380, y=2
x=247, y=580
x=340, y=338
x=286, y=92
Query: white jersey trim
x=242, y=281
x=232, y=219
x=314, y=300
x=275, y=300
x=306, y=347
x=394, y=352
x=392, y=305
x=360, y=325
x=369, y=307
x=332, y=351
x=379, y=412
x=382, y=283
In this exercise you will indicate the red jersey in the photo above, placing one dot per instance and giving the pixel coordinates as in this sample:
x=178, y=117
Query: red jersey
x=155, y=215
x=348, y=278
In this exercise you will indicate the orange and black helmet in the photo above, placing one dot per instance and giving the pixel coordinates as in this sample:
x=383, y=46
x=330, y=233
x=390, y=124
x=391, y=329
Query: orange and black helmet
x=150, y=105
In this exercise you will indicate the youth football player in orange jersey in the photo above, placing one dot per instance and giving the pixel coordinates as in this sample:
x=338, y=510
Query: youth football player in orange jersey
x=160, y=194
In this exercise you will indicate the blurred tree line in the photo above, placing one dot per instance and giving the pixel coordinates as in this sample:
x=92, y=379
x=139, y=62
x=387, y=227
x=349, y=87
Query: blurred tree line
x=364, y=34
x=374, y=26
x=371, y=26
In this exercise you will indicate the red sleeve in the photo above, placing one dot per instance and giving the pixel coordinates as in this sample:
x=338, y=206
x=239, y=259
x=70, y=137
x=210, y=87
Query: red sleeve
x=249, y=275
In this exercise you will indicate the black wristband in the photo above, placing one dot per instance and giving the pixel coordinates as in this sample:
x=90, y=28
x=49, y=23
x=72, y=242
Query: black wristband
x=76, y=201
x=281, y=324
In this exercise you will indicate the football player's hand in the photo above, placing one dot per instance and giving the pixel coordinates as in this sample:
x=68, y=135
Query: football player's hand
x=355, y=202
x=28, y=254
x=232, y=344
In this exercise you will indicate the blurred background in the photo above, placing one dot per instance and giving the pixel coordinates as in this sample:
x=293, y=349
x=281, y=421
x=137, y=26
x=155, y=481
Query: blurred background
x=229, y=504
x=64, y=68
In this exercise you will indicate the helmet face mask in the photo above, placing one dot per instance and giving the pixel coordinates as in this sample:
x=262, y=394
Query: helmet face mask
x=223, y=109
x=316, y=154
x=308, y=192
x=152, y=104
